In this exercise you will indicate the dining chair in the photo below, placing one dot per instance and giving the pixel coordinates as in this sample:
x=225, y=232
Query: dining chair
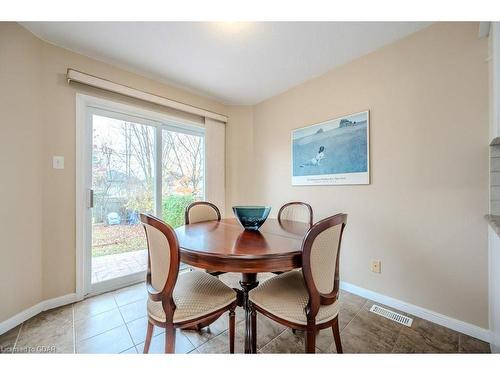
x=308, y=299
x=297, y=211
x=200, y=211
x=180, y=300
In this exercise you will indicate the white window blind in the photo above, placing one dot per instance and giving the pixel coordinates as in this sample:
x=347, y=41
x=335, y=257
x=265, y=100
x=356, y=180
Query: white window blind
x=215, y=158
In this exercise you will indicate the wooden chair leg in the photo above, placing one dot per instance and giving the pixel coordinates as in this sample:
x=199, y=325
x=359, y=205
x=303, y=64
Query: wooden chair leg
x=311, y=339
x=336, y=335
x=232, y=322
x=254, y=330
x=149, y=335
x=170, y=339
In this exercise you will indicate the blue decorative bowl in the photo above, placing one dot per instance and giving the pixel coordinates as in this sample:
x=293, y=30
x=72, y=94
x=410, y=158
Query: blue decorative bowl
x=251, y=217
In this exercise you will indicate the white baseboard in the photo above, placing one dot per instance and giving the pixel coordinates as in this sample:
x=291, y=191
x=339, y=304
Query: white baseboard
x=434, y=317
x=446, y=321
x=30, y=312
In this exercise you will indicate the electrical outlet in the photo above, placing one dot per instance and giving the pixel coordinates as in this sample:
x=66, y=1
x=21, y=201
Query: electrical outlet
x=375, y=266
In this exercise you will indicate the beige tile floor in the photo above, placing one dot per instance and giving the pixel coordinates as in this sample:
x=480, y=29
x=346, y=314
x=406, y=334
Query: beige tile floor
x=115, y=322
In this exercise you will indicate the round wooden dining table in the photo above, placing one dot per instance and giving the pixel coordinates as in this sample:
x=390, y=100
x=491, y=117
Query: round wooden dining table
x=226, y=247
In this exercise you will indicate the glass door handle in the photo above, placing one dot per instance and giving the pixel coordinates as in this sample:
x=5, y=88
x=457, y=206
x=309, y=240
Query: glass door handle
x=91, y=198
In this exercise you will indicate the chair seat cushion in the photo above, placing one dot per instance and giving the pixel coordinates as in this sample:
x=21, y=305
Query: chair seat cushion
x=196, y=294
x=285, y=296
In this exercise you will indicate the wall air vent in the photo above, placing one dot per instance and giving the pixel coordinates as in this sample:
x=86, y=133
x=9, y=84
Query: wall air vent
x=391, y=315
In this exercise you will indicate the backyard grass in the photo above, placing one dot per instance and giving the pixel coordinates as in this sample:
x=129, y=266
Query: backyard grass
x=115, y=239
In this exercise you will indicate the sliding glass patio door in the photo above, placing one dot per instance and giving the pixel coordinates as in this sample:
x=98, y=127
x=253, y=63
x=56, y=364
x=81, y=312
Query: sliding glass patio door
x=137, y=165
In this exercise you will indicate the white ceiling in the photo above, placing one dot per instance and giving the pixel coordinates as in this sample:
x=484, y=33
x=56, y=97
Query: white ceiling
x=237, y=63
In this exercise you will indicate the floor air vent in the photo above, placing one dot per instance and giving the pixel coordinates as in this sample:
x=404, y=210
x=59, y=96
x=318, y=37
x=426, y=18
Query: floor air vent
x=394, y=316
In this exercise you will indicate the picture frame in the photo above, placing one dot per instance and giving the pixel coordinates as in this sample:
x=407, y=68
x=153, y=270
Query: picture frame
x=332, y=152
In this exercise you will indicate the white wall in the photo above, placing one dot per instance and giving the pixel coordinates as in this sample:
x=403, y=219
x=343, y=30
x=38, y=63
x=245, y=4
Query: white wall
x=423, y=213
x=20, y=165
x=38, y=121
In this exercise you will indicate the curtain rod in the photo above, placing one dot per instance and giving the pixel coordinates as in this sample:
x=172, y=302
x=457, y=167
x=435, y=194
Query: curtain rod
x=101, y=83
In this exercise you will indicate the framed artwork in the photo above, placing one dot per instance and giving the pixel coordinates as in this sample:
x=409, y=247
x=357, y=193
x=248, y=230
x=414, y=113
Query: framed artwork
x=334, y=152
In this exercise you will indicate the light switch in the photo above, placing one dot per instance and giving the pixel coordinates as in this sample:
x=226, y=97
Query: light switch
x=58, y=162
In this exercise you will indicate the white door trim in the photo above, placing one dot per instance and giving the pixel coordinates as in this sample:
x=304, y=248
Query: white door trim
x=81, y=195
x=83, y=176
